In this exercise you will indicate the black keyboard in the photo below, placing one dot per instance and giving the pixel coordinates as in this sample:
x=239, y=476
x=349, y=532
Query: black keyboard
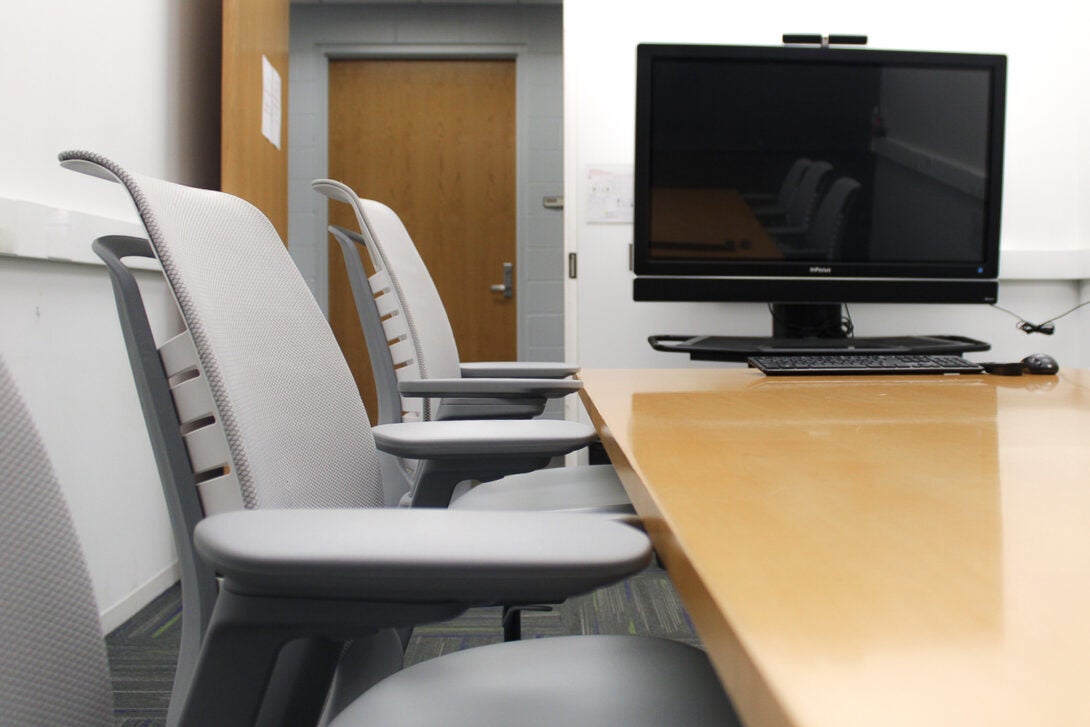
x=822, y=365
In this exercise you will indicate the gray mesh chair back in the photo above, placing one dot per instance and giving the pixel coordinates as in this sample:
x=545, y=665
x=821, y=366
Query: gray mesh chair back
x=801, y=209
x=247, y=406
x=788, y=188
x=389, y=339
x=422, y=340
x=391, y=353
x=826, y=233
x=297, y=430
x=53, y=668
x=408, y=333
x=425, y=314
x=791, y=182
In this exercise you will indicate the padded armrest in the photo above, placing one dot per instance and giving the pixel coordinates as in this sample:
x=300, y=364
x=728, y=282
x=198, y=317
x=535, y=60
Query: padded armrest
x=518, y=369
x=492, y=388
x=419, y=556
x=482, y=438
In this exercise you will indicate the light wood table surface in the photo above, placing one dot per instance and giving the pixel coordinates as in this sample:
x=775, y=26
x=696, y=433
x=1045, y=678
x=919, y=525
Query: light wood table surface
x=874, y=551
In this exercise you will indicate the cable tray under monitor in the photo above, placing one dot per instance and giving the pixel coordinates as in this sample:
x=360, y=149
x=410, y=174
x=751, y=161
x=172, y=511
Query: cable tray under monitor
x=739, y=348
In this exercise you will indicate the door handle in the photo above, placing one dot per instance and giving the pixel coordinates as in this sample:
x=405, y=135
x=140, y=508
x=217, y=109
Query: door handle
x=507, y=287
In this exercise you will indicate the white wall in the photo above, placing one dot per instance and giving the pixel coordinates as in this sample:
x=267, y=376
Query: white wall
x=1046, y=220
x=137, y=80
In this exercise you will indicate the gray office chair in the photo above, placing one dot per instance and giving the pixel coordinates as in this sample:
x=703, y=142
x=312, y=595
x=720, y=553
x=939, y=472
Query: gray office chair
x=824, y=238
x=830, y=224
x=414, y=356
x=804, y=202
x=400, y=355
x=328, y=575
x=418, y=336
x=777, y=206
x=53, y=667
x=297, y=436
x=185, y=424
x=199, y=470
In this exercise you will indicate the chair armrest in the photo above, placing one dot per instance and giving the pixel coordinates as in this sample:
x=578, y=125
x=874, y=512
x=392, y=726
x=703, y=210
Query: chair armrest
x=482, y=438
x=419, y=556
x=518, y=369
x=490, y=388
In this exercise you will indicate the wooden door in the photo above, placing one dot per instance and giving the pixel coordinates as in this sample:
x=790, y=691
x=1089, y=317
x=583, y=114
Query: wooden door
x=434, y=140
x=251, y=165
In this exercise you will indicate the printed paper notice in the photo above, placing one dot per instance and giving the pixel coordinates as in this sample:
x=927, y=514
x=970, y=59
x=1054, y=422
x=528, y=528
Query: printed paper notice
x=270, y=102
x=609, y=194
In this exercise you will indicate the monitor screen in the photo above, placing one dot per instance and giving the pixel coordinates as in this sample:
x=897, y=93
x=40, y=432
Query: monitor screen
x=816, y=175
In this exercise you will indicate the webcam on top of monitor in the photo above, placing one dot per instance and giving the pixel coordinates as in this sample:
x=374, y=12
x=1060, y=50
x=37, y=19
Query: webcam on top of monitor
x=823, y=40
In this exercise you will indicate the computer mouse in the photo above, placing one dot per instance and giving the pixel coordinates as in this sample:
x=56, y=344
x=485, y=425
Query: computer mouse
x=1040, y=363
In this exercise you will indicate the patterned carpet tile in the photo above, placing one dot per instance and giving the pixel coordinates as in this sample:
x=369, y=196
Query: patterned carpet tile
x=143, y=652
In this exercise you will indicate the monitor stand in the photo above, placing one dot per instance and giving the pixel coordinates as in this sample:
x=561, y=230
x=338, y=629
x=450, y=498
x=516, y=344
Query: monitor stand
x=810, y=329
x=820, y=321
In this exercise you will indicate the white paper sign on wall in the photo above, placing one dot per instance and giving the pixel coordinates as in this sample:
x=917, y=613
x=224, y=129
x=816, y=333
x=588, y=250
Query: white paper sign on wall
x=270, y=102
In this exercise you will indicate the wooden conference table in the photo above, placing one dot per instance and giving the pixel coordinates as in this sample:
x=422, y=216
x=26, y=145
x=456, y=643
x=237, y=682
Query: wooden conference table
x=870, y=550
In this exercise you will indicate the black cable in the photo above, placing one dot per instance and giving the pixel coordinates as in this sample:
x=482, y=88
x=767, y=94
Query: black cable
x=846, y=322
x=1045, y=327
x=1066, y=312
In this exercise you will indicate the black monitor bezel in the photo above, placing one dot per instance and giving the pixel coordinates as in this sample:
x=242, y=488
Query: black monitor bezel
x=803, y=281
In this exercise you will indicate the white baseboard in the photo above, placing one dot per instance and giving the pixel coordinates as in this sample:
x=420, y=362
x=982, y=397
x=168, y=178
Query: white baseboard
x=131, y=604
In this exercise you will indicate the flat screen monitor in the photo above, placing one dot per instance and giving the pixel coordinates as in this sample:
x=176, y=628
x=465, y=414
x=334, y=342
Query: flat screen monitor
x=814, y=177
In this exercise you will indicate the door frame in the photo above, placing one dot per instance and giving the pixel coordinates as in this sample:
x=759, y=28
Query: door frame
x=428, y=51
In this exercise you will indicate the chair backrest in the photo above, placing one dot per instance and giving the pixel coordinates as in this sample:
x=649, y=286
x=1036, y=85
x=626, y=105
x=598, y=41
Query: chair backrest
x=385, y=330
x=791, y=182
x=416, y=304
x=297, y=430
x=805, y=199
x=391, y=352
x=53, y=667
x=187, y=438
x=827, y=230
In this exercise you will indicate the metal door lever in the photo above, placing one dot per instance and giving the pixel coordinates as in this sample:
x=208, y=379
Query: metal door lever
x=507, y=287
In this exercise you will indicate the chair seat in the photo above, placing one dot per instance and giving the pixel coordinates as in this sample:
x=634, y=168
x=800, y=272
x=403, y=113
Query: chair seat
x=569, y=680
x=594, y=488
